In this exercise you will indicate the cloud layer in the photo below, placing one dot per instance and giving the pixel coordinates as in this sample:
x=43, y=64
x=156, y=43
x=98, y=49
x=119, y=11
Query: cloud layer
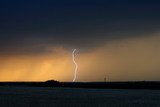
x=29, y=27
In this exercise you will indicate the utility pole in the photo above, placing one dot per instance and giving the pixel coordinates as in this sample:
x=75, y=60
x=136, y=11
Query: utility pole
x=104, y=79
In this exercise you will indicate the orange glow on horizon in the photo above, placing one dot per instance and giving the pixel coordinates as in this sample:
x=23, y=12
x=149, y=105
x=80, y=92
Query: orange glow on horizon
x=121, y=60
x=36, y=68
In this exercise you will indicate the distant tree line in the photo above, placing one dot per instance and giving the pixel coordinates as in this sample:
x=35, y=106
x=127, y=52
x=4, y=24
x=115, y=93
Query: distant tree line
x=102, y=85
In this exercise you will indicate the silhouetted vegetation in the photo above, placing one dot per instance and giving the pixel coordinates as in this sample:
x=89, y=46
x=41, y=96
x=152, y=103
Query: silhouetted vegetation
x=102, y=85
x=52, y=83
x=49, y=83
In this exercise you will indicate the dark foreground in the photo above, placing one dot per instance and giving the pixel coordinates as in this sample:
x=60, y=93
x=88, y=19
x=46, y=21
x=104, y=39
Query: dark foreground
x=14, y=96
x=153, y=85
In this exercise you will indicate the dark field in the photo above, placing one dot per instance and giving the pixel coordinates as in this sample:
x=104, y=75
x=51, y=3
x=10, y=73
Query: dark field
x=153, y=85
x=15, y=96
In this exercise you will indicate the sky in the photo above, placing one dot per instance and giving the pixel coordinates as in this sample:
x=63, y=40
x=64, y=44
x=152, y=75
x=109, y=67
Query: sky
x=115, y=39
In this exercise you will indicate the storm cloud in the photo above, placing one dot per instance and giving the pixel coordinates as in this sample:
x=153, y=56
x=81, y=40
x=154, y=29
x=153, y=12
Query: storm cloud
x=32, y=27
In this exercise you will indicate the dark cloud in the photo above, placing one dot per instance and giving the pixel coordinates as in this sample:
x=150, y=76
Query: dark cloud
x=30, y=26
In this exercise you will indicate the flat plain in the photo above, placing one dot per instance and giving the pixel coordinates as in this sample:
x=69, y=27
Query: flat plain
x=13, y=96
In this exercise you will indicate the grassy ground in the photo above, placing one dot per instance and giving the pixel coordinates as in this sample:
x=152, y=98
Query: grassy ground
x=72, y=97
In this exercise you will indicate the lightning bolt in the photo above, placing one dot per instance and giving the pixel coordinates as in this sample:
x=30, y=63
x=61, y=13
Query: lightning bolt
x=76, y=66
